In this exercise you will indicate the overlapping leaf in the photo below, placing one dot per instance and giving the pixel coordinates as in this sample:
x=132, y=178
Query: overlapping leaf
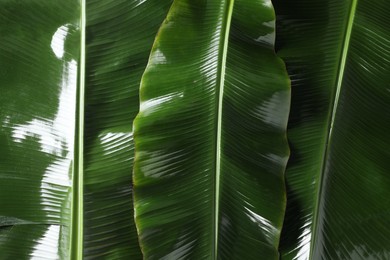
x=210, y=137
x=119, y=37
x=337, y=54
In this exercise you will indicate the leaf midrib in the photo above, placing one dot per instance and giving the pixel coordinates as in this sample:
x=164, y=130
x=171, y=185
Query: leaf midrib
x=76, y=227
x=339, y=80
x=224, y=46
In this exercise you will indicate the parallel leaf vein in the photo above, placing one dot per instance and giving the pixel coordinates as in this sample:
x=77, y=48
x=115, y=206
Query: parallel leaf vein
x=339, y=80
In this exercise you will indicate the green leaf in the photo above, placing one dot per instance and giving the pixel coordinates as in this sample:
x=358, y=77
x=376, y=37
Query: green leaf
x=38, y=77
x=120, y=35
x=61, y=149
x=210, y=137
x=337, y=53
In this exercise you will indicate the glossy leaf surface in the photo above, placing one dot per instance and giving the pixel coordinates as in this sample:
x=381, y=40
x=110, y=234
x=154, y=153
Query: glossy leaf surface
x=119, y=36
x=41, y=56
x=210, y=137
x=337, y=54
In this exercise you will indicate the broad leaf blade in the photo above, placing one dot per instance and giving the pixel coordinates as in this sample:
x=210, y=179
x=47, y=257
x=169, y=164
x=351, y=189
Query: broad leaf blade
x=338, y=178
x=39, y=71
x=119, y=38
x=38, y=76
x=210, y=135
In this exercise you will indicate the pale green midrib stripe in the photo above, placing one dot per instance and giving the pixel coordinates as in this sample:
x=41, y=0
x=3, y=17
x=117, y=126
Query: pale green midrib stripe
x=339, y=81
x=224, y=42
x=76, y=233
x=81, y=133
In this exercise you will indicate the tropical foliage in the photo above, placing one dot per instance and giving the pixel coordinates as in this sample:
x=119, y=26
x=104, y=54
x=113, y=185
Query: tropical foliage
x=244, y=148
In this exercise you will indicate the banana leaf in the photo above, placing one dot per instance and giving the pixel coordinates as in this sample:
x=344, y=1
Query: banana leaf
x=210, y=137
x=69, y=79
x=338, y=56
